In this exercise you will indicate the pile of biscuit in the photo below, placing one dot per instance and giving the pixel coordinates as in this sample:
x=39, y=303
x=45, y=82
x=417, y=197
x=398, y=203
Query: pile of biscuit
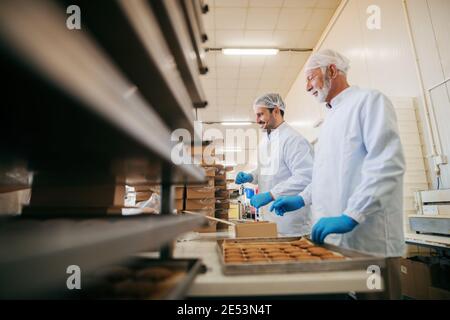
x=119, y=282
x=270, y=252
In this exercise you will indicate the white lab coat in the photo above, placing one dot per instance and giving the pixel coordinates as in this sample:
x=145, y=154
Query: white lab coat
x=358, y=170
x=285, y=162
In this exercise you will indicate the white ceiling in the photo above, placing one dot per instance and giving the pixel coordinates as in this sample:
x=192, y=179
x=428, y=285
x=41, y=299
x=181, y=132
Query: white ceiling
x=234, y=82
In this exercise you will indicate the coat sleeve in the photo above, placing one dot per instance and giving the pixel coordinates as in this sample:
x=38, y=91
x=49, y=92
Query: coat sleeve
x=297, y=155
x=384, y=165
x=306, y=194
x=255, y=175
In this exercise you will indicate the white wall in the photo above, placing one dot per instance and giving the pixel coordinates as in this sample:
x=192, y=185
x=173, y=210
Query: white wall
x=430, y=23
x=380, y=59
x=383, y=59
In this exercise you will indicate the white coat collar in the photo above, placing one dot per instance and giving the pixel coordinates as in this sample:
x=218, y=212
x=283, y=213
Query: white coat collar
x=280, y=128
x=336, y=102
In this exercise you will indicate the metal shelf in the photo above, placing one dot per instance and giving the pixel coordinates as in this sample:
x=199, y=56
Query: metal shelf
x=130, y=34
x=88, y=111
x=175, y=27
x=426, y=240
x=191, y=13
x=35, y=254
x=96, y=103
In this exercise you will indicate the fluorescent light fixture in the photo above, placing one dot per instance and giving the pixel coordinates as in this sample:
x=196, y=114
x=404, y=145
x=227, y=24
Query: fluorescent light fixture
x=249, y=52
x=236, y=123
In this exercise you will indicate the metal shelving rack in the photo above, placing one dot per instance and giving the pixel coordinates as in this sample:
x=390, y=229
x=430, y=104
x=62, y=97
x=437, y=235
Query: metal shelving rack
x=97, y=102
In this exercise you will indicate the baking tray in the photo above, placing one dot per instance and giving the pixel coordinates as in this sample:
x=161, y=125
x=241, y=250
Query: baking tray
x=355, y=260
x=190, y=267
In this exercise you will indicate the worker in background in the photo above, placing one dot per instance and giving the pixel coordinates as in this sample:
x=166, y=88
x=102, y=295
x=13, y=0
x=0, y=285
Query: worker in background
x=285, y=163
x=357, y=186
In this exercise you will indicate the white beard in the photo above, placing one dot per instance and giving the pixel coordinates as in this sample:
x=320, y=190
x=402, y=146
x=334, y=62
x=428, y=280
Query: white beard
x=322, y=94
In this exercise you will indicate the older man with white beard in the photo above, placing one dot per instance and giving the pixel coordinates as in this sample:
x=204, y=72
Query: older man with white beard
x=356, y=190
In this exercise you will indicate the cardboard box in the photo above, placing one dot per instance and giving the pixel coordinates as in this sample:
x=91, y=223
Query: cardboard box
x=205, y=212
x=179, y=193
x=210, y=171
x=420, y=273
x=221, y=214
x=179, y=204
x=220, y=187
x=141, y=188
x=222, y=194
x=233, y=212
x=438, y=294
x=143, y=195
x=222, y=204
x=195, y=204
x=221, y=174
x=209, y=182
x=260, y=229
x=220, y=182
x=209, y=149
x=204, y=157
x=200, y=192
x=414, y=285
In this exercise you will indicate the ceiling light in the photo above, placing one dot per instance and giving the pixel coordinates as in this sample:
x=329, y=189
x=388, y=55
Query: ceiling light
x=250, y=52
x=236, y=123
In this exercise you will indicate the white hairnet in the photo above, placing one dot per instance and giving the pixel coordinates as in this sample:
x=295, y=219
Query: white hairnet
x=271, y=101
x=326, y=57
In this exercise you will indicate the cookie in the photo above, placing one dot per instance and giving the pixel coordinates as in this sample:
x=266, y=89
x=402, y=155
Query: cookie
x=232, y=250
x=300, y=254
x=318, y=251
x=280, y=254
x=302, y=242
x=269, y=251
x=232, y=257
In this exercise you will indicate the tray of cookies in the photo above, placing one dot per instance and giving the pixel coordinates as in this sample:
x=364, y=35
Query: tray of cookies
x=290, y=254
x=143, y=279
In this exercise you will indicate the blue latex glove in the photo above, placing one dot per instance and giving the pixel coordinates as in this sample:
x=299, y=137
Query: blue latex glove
x=261, y=199
x=287, y=203
x=326, y=226
x=243, y=177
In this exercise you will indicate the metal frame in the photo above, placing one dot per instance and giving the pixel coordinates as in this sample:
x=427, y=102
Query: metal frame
x=35, y=254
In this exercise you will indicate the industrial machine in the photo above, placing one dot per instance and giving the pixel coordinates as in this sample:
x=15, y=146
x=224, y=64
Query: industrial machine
x=433, y=212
